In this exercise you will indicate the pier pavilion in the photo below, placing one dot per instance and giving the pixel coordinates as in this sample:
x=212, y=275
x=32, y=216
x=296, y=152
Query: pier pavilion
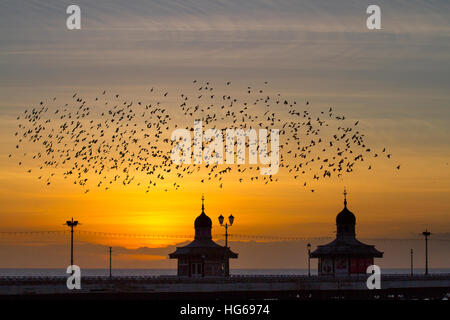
x=345, y=255
x=203, y=257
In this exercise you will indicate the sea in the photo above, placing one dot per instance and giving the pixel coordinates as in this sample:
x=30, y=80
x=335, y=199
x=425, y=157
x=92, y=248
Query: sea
x=18, y=272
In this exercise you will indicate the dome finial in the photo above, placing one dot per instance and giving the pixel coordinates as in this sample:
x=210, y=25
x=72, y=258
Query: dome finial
x=345, y=197
x=203, y=203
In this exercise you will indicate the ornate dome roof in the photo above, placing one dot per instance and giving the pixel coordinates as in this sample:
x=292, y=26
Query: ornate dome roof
x=203, y=221
x=345, y=217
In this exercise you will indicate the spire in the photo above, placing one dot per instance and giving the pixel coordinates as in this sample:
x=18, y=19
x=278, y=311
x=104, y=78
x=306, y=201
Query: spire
x=203, y=203
x=345, y=197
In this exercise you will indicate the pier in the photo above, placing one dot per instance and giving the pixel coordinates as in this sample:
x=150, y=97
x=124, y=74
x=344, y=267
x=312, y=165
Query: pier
x=436, y=286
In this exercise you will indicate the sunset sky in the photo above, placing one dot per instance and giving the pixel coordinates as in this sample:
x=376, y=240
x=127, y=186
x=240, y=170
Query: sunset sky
x=395, y=81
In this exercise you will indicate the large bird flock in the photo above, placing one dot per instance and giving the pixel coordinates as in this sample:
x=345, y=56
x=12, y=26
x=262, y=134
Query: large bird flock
x=110, y=140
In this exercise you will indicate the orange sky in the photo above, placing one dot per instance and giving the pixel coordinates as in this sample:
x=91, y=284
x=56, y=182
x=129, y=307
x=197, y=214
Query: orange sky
x=395, y=82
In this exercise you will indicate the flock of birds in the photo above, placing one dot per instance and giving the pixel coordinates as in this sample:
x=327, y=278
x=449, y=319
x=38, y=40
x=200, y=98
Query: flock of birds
x=108, y=140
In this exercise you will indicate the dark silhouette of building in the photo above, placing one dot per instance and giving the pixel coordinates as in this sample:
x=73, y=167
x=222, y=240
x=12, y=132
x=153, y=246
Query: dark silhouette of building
x=203, y=257
x=345, y=255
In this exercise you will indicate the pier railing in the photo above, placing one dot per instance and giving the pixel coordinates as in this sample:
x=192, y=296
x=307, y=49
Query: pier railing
x=11, y=280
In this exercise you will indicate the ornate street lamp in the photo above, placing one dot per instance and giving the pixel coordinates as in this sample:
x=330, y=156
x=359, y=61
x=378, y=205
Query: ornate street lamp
x=226, y=225
x=71, y=224
x=426, y=234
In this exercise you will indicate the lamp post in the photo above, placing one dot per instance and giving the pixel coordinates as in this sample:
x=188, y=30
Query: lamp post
x=309, y=259
x=412, y=266
x=226, y=225
x=230, y=221
x=110, y=265
x=426, y=233
x=71, y=224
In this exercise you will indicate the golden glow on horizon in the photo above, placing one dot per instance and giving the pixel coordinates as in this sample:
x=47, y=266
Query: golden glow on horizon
x=286, y=209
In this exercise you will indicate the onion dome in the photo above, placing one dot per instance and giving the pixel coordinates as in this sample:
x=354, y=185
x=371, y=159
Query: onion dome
x=345, y=216
x=203, y=225
x=345, y=221
x=203, y=221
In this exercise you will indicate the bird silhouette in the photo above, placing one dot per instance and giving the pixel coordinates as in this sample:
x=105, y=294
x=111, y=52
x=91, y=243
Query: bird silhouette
x=111, y=140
